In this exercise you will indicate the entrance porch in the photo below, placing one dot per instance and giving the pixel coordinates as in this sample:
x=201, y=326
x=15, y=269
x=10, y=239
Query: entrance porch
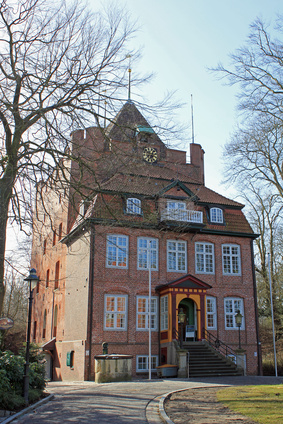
x=186, y=296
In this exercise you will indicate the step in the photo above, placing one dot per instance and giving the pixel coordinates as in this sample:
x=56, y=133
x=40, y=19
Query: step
x=205, y=361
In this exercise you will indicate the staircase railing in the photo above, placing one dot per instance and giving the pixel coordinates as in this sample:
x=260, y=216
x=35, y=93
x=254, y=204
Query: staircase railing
x=217, y=344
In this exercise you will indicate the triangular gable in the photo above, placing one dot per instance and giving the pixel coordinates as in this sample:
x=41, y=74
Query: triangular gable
x=87, y=214
x=188, y=281
x=182, y=187
x=50, y=345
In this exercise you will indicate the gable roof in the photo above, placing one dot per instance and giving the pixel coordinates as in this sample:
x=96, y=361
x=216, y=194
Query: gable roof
x=189, y=281
x=177, y=183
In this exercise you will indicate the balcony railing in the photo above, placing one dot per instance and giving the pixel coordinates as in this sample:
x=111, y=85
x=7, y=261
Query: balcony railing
x=182, y=215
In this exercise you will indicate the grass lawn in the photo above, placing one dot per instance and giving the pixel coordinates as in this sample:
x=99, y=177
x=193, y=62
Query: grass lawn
x=264, y=404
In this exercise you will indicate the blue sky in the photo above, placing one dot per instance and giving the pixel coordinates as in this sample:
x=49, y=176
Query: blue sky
x=181, y=39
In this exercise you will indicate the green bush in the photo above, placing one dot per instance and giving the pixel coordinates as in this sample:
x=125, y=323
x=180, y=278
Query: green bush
x=37, y=376
x=14, y=368
x=34, y=395
x=11, y=401
x=4, y=381
x=12, y=378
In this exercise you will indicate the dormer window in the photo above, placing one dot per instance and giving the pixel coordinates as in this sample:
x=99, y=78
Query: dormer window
x=83, y=207
x=134, y=206
x=216, y=215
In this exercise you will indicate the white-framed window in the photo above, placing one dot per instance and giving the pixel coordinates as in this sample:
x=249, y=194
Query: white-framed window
x=216, y=215
x=147, y=253
x=211, y=315
x=204, y=254
x=176, y=256
x=164, y=313
x=231, y=307
x=142, y=363
x=82, y=208
x=116, y=251
x=231, y=261
x=143, y=313
x=134, y=206
x=177, y=210
x=115, y=312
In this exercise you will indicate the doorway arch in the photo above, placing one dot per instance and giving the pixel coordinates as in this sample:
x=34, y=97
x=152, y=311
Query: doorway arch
x=189, y=307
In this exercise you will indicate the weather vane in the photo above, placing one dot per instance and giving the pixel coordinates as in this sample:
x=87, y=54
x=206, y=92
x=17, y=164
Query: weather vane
x=129, y=70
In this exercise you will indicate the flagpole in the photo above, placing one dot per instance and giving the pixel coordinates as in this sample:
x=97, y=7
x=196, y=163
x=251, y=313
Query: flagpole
x=272, y=317
x=192, y=112
x=149, y=313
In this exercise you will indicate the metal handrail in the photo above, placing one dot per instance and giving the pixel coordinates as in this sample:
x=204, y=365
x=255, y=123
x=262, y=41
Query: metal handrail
x=217, y=344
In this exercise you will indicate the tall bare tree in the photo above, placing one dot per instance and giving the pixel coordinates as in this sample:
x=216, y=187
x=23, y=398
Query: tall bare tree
x=254, y=154
x=59, y=65
x=265, y=211
x=257, y=69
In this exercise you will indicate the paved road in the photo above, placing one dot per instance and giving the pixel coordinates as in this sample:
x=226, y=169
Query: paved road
x=118, y=403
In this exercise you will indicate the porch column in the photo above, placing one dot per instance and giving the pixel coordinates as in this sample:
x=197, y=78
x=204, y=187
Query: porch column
x=173, y=313
x=202, y=313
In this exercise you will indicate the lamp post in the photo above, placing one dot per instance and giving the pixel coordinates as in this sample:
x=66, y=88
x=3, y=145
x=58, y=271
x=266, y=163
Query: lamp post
x=239, y=319
x=32, y=279
x=181, y=319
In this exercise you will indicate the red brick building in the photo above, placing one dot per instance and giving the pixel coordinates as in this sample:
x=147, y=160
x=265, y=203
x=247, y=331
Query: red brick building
x=146, y=215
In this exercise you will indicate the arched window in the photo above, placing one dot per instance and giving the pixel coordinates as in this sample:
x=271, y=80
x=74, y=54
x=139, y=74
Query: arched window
x=44, y=324
x=57, y=272
x=47, y=278
x=134, y=206
x=55, y=321
x=72, y=359
x=216, y=215
x=60, y=232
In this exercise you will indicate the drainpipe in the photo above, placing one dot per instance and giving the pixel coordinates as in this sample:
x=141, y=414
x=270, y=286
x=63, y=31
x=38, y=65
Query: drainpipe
x=52, y=316
x=90, y=297
x=259, y=360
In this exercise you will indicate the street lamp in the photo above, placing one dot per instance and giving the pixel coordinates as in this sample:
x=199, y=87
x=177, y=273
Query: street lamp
x=181, y=319
x=239, y=319
x=33, y=280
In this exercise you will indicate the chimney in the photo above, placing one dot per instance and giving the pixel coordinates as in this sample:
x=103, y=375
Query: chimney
x=197, y=159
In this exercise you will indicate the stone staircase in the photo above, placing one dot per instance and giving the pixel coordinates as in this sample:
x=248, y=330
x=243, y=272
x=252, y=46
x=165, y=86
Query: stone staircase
x=205, y=361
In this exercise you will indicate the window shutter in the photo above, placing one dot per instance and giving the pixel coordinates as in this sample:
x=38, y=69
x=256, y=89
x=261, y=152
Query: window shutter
x=68, y=362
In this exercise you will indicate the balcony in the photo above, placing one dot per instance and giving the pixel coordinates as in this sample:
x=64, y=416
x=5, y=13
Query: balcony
x=182, y=215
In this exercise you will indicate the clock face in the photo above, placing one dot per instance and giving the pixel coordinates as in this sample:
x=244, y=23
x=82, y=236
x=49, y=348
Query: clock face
x=150, y=154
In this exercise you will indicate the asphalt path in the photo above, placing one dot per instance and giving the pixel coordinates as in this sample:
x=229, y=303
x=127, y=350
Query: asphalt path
x=118, y=403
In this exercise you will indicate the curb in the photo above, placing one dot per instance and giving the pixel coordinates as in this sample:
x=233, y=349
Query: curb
x=161, y=408
x=28, y=409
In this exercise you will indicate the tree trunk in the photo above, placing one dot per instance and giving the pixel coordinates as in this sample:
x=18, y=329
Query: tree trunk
x=5, y=196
